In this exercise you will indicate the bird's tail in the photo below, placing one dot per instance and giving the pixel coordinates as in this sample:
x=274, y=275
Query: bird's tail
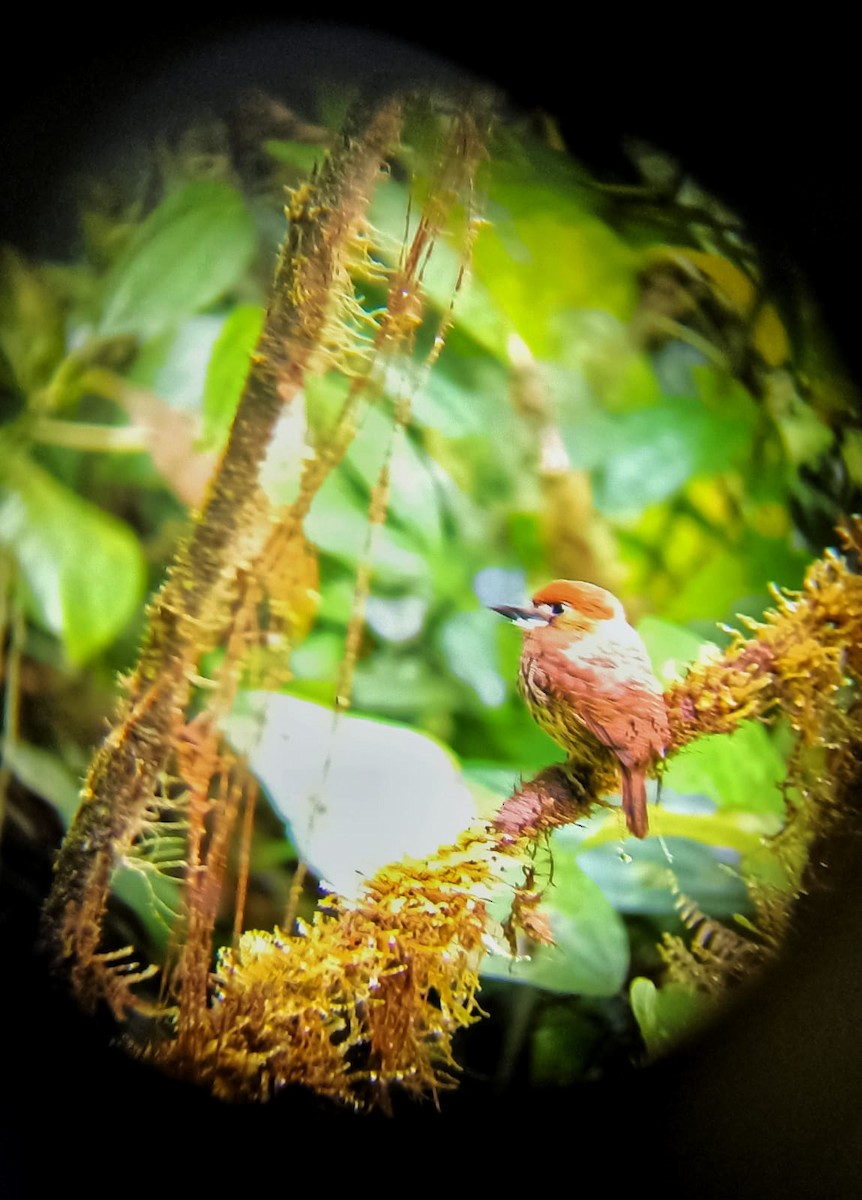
x=634, y=799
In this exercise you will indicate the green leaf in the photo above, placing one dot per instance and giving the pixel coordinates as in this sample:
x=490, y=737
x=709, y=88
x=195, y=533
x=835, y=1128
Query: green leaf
x=490, y=785
x=742, y=831
x=803, y=431
x=154, y=896
x=83, y=569
x=735, y=580
x=598, y=365
x=319, y=656
x=403, y=685
x=781, y=873
x=500, y=780
x=45, y=774
x=461, y=396
x=668, y=1014
x=851, y=452
x=590, y=955
x=337, y=588
x=188, y=253
x=562, y=1044
x=325, y=396
x=641, y=880
x=227, y=371
x=740, y=771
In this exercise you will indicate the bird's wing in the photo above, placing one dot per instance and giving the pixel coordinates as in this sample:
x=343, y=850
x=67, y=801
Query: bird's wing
x=622, y=741
x=592, y=693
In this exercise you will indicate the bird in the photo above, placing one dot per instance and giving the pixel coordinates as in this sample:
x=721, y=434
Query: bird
x=587, y=680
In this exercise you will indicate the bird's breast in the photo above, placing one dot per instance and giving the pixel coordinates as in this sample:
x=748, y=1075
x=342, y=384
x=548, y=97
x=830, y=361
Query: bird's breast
x=595, y=695
x=557, y=706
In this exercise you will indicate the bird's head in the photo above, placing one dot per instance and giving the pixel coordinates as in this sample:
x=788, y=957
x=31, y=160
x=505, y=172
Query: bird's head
x=567, y=606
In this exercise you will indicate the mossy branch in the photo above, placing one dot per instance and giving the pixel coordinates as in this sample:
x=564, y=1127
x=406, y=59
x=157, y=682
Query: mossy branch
x=193, y=609
x=795, y=663
x=802, y=663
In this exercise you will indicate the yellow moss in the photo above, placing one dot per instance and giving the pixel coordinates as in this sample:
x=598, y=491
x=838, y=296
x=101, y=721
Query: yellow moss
x=803, y=661
x=366, y=997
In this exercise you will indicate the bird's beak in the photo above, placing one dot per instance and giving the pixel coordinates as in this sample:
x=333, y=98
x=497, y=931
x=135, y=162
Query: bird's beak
x=525, y=618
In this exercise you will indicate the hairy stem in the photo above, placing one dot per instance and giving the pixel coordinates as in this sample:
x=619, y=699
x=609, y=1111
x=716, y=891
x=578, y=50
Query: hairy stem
x=193, y=610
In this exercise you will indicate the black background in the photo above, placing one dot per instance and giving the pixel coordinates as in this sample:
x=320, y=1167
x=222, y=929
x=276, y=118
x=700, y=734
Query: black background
x=768, y=1103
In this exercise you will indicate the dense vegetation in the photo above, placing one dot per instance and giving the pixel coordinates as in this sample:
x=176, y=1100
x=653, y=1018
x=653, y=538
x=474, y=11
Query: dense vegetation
x=619, y=398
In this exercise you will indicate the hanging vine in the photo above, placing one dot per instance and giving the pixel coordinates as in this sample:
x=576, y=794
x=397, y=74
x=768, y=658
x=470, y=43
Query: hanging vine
x=165, y=792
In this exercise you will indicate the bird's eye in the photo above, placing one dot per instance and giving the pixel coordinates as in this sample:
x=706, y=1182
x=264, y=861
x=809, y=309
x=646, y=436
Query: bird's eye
x=556, y=609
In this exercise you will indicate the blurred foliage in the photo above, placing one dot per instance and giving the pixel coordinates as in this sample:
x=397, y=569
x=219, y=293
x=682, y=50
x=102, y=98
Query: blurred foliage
x=615, y=372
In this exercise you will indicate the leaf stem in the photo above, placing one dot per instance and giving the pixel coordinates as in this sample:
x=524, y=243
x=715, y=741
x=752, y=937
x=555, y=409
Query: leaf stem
x=80, y=435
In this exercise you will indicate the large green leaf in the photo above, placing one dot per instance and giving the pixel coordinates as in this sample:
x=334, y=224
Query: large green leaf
x=31, y=322
x=188, y=252
x=153, y=894
x=461, y=396
x=590, y=955
x=490, y=785
x=734, y=580
x=319, y=656
x=83, y=569
x=744, y=832
x=404, y=685
x=175, y=365
x=646, y=877
x=739, y=771
x=568, y=1040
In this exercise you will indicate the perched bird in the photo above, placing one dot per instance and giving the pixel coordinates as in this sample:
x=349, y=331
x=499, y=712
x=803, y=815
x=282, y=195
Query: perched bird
x=588, y=682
